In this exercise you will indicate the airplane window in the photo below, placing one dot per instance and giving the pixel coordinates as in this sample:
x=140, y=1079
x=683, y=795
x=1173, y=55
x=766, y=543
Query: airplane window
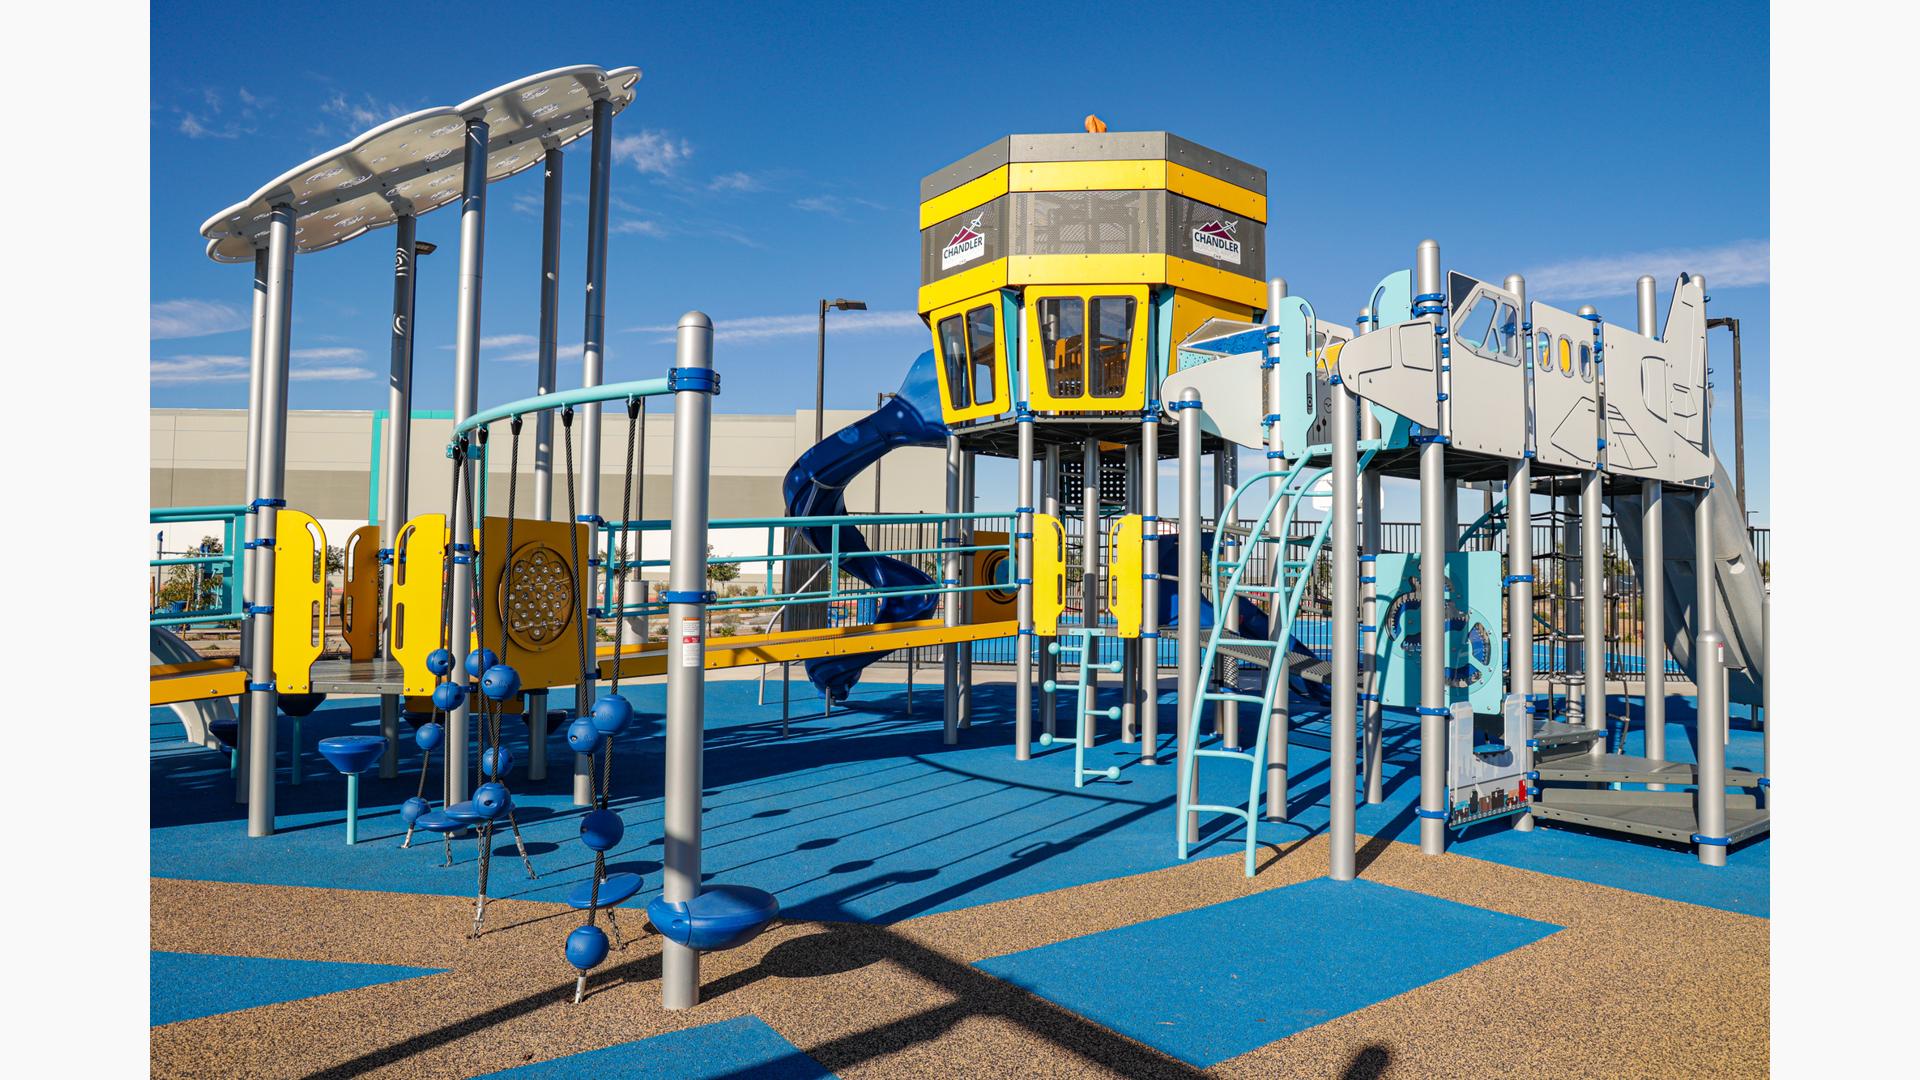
x=980, y=340
x=953, y=353
x=1061, y=330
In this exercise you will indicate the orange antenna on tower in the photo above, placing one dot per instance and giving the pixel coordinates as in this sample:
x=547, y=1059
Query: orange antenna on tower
x=1095, y=125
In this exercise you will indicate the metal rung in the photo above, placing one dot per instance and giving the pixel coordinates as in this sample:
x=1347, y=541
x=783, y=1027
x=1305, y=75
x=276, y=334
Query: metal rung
x=1235, y=755
x=1215, y=808
x=1212, y=695
x=1264, y=642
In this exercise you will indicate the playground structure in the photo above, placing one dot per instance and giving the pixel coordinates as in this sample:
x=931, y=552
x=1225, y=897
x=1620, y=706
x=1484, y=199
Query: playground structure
x=1083, y=292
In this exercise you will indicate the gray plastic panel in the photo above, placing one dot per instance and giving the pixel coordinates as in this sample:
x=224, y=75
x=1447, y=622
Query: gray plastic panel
x=988, y=222
x=1686, y=337
x=1489, y=387
x=1247, y=253
x=1667, y=815
x=1566, y=428
x=1088, y=222
x=1639, y=436
x=1399, y=367
x=1105, y=146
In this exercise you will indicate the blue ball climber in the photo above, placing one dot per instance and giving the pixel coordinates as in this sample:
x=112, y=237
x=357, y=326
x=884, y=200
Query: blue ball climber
x=479, y=660
x=611, y=714
x=500, y=682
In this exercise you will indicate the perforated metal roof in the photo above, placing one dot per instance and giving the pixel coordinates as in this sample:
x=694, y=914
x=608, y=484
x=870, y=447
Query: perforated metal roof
x=413, y=164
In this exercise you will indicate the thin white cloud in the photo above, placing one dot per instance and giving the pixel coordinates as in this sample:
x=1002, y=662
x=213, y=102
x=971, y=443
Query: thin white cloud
x=328, y=364
x=562, y=353
x=836, y=205
x=198, y=369
x=640, y=227
x=652, y=151
x=1744, y=262
x=338, y=373
x=362, y=113
x=192, y=318
x=734, y=181
x=334, y=352
x=767, y=327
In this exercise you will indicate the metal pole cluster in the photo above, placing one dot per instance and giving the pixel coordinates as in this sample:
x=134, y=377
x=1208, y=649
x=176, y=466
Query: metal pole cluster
x=270, y=483
x=1434, y=545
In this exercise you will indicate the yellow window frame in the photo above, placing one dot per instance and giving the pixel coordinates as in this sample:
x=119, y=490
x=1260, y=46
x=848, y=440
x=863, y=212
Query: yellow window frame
x=1133, y=393
x=1001, y=401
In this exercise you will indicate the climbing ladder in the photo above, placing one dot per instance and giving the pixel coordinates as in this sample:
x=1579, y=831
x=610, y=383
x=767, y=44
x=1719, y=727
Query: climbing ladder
x=1287, y=590
x=1083, y=643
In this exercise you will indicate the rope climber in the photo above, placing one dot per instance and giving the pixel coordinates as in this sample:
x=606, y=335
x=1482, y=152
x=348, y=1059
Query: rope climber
x=600, y=828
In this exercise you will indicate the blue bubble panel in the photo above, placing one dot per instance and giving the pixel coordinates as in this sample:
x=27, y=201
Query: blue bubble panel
x=741, y=1047
x=1211, y=984
x=187, y=986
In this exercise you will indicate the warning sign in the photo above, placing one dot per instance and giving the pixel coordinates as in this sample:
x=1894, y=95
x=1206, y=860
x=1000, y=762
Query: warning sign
x=693, y=647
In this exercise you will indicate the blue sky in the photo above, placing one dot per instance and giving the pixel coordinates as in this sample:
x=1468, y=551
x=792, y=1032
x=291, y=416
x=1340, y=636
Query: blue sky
x=774, y=152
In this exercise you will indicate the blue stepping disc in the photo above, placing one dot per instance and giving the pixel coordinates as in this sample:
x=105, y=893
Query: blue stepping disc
x=722, y=917
x=617, y=889
x=440, y=821
x=353, y=753
x=466, y=814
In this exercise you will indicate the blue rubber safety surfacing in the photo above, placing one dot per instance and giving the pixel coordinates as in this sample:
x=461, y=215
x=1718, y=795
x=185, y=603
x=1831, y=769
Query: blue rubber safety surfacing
x=741, y=1047
x=186, y=986
x=865, y=816
x=1211, y=984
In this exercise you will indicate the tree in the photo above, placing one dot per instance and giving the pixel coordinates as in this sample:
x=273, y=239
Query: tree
x=720, y=573
x=196, y=586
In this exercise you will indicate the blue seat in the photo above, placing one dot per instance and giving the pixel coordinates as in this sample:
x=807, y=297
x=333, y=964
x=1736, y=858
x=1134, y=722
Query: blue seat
x=721, y=917
x=353, y=753
x=227, y=731
x=465, y=812
x=441, y=822
x=617, y=889
x=300, y=704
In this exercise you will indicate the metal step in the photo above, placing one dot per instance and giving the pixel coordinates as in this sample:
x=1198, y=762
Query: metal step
x=1579, y=766
x=1548, y=733
x=1667, y=815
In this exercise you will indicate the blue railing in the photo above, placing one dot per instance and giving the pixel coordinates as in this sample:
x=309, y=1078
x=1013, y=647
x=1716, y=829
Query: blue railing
x=227, y=565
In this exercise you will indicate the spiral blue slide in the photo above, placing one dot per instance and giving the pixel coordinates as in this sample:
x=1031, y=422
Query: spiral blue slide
x=816, y=487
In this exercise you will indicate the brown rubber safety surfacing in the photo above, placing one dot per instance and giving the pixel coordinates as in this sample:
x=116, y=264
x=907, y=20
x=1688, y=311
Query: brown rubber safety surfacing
x=1634, y=986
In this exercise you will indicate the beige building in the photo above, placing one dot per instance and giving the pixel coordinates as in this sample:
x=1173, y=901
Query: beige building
x=333, y=473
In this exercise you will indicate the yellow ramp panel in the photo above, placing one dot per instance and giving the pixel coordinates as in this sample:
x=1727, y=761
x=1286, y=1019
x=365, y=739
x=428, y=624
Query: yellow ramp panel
x=170, y=684
x=1049, y=574
x=419, y=575
x=360, y=594
x=1124, y=584
x=299, y=600
x=746, y=650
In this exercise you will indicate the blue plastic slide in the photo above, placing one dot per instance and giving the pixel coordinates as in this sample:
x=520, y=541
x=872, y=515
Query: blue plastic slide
x=816, y=487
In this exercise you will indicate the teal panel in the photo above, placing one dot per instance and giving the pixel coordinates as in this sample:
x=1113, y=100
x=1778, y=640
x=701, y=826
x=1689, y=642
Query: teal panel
x=1474, y=659
x=1299, y=396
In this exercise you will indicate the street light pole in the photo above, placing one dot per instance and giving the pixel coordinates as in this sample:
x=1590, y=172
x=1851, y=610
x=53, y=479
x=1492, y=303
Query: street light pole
x=879, y=400
x=820, y=365
x=1739, y=417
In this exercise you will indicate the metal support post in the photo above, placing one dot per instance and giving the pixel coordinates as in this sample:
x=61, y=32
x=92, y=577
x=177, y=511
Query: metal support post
x=1520, y=553
x=1189, y=615
x=1090, y=577
x=546, y=381
x=1279, y=721
x=1023, y=576
x=1129, y=647
x=1150, y=588
x=950, y=603
x=262, y=698
x=592, y=367
x=1435, y=493
x=1346, y=597
x=686, y=669
x=249, y=561
x=1710, y=731
x=466, y=401
x=966, y=598
x=399, y=450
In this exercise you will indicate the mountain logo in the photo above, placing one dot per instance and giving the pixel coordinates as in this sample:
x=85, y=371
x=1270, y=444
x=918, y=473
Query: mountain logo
x=1215, y=240
x=967, y=245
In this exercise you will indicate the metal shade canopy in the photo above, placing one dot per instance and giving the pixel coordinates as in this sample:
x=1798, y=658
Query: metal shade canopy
x=412, y=164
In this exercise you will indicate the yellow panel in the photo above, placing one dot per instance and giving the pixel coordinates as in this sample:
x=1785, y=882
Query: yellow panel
x=975, y=192
x=1049, y=574
x=973, y=282
x=1001, y=402
x=1133, y=393
x=1088, y=176
x=1214, y=191
x=542, y=641
x=419, y=574
x=1086, y=269
x=1186, y=274
x=1191, y=310
x=360, y=594
x=1124, y=584
x=992, y=605
x=170, y=687
x=299, y=600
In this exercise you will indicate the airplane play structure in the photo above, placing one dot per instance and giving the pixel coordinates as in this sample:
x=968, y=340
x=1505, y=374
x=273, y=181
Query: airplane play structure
x=1085, y=293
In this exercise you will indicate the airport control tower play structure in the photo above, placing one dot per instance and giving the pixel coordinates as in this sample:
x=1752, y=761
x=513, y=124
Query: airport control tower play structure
x=1097, y=303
